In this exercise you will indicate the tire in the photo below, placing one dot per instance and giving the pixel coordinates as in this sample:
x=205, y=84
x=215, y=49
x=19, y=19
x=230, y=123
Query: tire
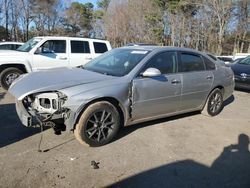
x=8, y=75
x=98, y=124
x=214, y=103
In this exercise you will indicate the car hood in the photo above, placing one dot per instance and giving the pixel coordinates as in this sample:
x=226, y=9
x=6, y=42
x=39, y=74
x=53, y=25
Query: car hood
x=52, y=80
x=240, y=68
x=4, y=53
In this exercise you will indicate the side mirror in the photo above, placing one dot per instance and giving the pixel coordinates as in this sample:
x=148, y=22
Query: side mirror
x=151, y=72
x=39, y=50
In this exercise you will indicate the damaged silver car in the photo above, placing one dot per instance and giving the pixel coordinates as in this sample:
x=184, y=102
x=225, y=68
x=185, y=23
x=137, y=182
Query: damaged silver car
x=122, y=87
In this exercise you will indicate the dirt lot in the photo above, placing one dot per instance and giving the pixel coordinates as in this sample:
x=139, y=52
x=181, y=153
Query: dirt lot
x=185, y=151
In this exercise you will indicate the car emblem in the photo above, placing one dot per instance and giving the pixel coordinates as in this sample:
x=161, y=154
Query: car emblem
x=243, y=75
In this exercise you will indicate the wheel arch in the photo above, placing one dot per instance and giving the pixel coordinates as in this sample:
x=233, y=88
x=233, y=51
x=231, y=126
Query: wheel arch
x=216, y=87
x=111, y=100
x=15, y=65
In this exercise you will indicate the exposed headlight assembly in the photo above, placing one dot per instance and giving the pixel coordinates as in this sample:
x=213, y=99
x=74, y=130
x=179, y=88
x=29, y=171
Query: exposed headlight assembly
x=48, y=102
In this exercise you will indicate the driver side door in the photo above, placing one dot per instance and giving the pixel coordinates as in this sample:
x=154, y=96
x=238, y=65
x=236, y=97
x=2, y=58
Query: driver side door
x=53, y=54
x=157, y=96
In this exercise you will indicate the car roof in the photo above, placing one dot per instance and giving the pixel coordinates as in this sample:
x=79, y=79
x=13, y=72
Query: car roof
x=155, y=48
x=75, y=38
x=9, y=42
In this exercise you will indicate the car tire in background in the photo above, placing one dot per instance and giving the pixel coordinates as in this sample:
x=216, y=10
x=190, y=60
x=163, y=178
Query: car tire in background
x=8, y=75
x=98, y=124
x=214, y=103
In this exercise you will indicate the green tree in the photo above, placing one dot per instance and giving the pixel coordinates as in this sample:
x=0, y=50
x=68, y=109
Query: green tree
x=103, y=4
x=79, y=18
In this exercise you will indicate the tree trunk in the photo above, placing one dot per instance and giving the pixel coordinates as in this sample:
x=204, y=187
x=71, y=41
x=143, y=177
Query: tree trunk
x=243, y=42
x=6, y=19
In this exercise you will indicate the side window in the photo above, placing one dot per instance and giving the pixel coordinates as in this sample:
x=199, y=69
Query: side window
x=2, y=47
x=54, y=46
x=191, y=62
x=17, y=46
x=5, y=47
x=13, y=47
x=209, y=64
x=100, y=47
x=79, y=47
x=165, y=62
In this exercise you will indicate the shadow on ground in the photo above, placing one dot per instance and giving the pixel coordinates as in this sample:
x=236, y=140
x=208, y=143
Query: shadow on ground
x=243, y=90
x=230, y=170
x=2, y=95
x=11, y=129
x=229, y=100
x=128, y=130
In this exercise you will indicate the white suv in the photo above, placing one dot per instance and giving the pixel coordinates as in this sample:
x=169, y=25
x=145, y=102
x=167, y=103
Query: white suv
x=41, y=53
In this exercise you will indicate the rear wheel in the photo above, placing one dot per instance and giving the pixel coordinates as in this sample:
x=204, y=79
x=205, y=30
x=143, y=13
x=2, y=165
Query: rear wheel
x=98, y=124
x=214, y=103
x=8, y=75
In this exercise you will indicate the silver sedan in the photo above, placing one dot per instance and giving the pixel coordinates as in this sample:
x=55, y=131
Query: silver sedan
x=122, y=87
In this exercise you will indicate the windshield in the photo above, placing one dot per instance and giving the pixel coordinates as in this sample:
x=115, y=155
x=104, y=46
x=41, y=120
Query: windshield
x=26, y=47
x=245, y=61
x=117, y=62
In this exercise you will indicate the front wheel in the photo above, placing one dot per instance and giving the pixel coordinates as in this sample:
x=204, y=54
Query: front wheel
x=98, y=124
x=214, y=103
x=8, y=75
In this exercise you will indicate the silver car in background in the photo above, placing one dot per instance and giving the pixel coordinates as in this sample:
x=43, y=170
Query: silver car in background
x=122, y=87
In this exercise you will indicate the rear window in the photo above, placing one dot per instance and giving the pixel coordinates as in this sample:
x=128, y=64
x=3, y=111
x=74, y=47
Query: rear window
x=214, y=58
x=100, y=47
x=80, y=47
x=209, y=64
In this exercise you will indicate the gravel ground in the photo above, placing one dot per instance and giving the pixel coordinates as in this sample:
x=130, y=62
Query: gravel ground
x=183, y=151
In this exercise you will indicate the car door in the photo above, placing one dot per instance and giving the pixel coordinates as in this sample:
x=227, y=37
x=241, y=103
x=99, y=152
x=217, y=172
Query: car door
x=155, y=96
x=80, y=52
x=197, y=80
x=53, y=54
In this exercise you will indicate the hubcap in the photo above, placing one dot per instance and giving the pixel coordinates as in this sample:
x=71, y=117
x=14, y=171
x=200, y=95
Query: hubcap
x=100, y=125
x=216, y=102
x=10, y=78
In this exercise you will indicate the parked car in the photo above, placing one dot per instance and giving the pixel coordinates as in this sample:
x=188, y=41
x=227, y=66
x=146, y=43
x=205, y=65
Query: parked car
x=240, y=55
x=226, y=59
x=234, y=62
x=10, y=45
x=241, y=71
x=140, y=44
x=216, y=59
x=42, y=53
x=122, y=87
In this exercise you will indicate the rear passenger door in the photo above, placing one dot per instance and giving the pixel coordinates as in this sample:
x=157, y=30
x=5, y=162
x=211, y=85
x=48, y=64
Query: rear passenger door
x=197, y=79
x=80, y=53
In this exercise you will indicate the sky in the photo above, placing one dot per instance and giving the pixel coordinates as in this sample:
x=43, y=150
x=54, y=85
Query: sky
x=87, y=1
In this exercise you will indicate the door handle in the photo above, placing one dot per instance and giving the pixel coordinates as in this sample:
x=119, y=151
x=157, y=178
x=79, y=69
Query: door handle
x=63, y=58
x=209, y=77
x=88, y=58
x=175, y=81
